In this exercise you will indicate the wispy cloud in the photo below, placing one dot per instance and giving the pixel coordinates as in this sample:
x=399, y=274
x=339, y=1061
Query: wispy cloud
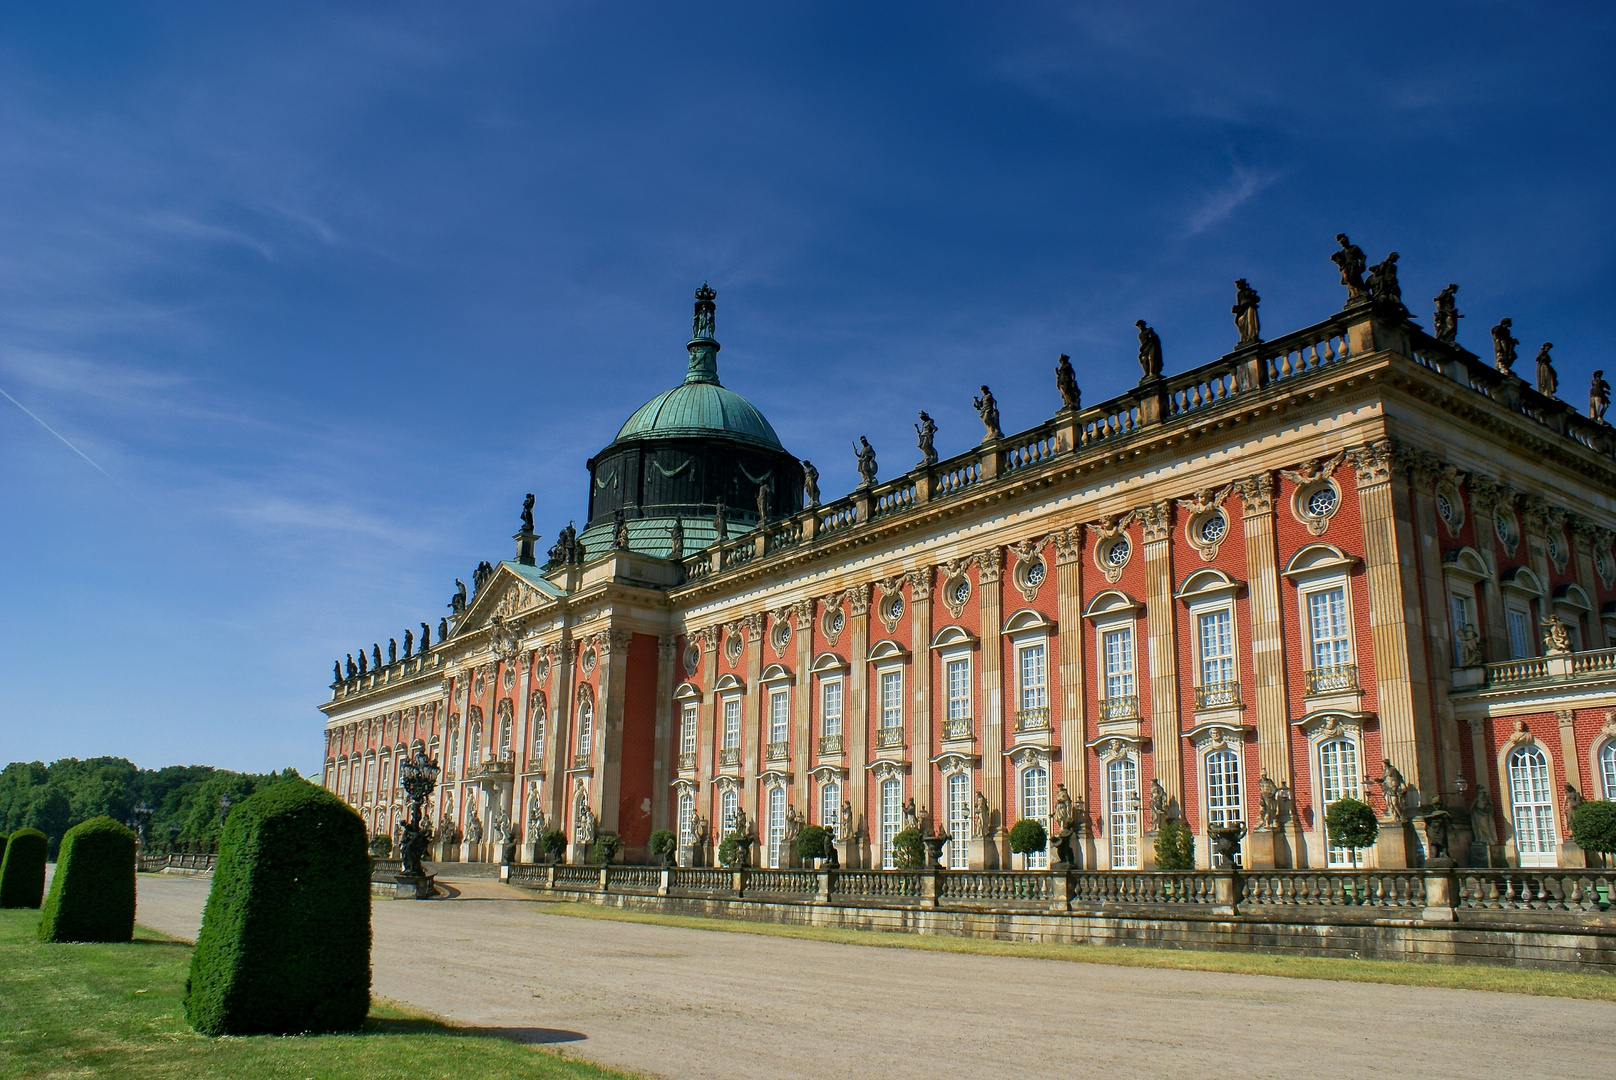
x=1219, y=205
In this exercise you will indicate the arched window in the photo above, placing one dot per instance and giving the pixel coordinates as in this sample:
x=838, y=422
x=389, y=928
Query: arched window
x=830, y=807
x=776, y=828
x=384, y=787
x=540, y=705
x=1532, y=806
x=1223, y=793
x=1607, y=769
x=586, y=722
x=959, y=821
x=342, y=782
x=1122, y=812
x=1338, y=779
x=476, y=743
x=728, y=803
x=1035, y=805
x=369, y=762
x=891, y=818
x=505, y=739
x=687, y=826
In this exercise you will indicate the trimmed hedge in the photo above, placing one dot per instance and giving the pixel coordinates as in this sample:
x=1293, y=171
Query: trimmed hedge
x=908, y=853
x=285, y=941
x=664, y=846
x=22, y=872
x=92, y=896
x=1028, y=836
x=1175, y=846
x=813, y=842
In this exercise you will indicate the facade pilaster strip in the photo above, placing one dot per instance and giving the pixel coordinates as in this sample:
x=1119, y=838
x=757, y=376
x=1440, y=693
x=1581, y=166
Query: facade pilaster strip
x=707, y=733
x=856, y=728
x=754, y=729
x=1161, y=625
x=1269, y=699
x=802, y=734
x=989, y=565
x=1439, y=630
x=1400, y=674
x=1069, y=610
x=664, y=749
x=608, y=751
x=920, y=751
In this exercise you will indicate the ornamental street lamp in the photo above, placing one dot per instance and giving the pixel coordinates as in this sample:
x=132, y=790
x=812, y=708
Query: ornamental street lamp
x=417, y=775
x=142, y=816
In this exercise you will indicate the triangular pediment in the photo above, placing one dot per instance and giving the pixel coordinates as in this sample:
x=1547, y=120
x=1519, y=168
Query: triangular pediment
x=512, y=591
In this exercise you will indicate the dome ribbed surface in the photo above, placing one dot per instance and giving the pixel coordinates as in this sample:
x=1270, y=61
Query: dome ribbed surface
x=700, y=409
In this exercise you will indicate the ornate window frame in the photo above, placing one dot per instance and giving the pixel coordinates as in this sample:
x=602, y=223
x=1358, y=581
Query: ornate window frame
x=1109, y=611
x=1571, y=604
x=1319, y=728
x=956, y=586
x=1209, y=591
x=1524, y=593
x=1518, y=739
x=952, y=645
x=1315, y=568
x=887, y=657
x=1604, y=738
x=1031, y=568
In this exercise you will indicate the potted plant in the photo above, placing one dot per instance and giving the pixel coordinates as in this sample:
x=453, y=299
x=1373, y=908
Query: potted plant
x=811, y=844
x=552, y=844
x=664, y=847
x=1028, y=837
x=908, y=853
x=607, y=846
x=1175, y=847
x=1593, y=827
x=1351, y=824
x=729, y=852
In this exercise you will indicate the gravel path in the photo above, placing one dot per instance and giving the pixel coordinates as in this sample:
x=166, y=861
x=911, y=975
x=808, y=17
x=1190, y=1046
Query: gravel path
x=691, y=1003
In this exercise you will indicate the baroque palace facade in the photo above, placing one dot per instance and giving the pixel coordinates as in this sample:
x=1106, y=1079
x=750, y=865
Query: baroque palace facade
x=1351, y=561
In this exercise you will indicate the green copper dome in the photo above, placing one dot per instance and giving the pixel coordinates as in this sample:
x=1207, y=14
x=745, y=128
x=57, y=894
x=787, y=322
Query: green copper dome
x=700, y=409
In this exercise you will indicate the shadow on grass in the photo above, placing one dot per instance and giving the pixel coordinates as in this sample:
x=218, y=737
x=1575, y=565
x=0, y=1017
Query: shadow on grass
x=421, y=1025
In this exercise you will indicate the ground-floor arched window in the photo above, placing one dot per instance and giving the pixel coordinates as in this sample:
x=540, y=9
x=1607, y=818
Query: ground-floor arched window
x=1338, y=779
x=687, y=825
x=959, y=820
x=830, y=807
x=1532, y=806
x=776, y=825
x=1223, y=794
x=1035, y=805
x=1122, y=812
x=891, y=818
x=729, y=802
x=1607, y=769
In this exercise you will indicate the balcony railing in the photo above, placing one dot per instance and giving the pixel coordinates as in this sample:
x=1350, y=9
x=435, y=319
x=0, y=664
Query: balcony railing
x=959, y=728
x=580, y=760
x=889, y=738
x=1217, y=695
x=1332, y=679
x=1122, y=707
x=729, y=755
x=830, y=744
x=687, y=761
x=496, y=767
x=778, y=751
x=1034, y=719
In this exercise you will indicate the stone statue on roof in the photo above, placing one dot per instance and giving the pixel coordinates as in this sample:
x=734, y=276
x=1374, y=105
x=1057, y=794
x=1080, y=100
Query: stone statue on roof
x=1066, y=384
x=1598, y=396
x=1504, y=346
x=1445, y=322
x=1150, y=353
x=1547, y=381
x=866, y=461
x=988, y=410
x=762, y=505
x=527, y=513
x=1351, y=262
x=720, y=522
x=810, y=483
x=1384, y=289
x=1245, y=312
x=676, y=541
x=926, y=430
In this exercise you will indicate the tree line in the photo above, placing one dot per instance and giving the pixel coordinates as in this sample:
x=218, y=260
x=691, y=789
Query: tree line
x=185, y=800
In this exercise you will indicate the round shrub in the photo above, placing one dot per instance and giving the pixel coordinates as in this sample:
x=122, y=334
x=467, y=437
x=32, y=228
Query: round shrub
x=285, y=940
x=729, y=852
x=1175, y=846
x=1351, y=824
x=92, y=896
x=812, y=842
x=553, y=842
x=22, y=873
x=908, y=853
x=381, y=845
x=664, y=846
x=1028, y=836
x=1593, y=826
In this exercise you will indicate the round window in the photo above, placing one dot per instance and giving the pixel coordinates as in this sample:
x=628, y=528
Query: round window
x=1504, y=528
x=1212, y=529
x=1554, y=549
x=1117, y=554
x=962, y=590
x=1321, y=503
x=589, y=660
x=1602, y=564
x=1444, y=507
x=780, y=636
x=692, y=658
x=1035, y=574
x=835, y=621
x=732, y=647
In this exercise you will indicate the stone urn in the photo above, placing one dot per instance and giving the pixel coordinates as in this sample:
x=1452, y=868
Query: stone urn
x=1226, y=841
x=934, y=849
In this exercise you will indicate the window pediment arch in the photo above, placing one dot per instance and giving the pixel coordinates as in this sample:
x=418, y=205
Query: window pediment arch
x=828, y=663
x=1521, y=581
x=888, y=649
x=687, y=691
x=1113, y=603
x=777, y=674
x=1209, y=584
x=1027, y=620
x=1318, y=559
x=956, y=636
x=729, y=681
x=1466, y=564
x=1572, y=596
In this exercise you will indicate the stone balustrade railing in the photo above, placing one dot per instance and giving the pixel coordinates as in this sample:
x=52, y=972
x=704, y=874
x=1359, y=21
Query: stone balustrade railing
x=1592, y=665
x=1433, y=894
x=158, y=861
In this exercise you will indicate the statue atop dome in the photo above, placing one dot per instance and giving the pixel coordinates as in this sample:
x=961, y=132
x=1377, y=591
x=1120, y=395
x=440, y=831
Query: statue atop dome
x=702, y=325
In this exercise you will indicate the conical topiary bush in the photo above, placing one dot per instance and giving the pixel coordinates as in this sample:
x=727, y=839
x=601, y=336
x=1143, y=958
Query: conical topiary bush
x=22, y=871
x=285, y=940
x=92, y=896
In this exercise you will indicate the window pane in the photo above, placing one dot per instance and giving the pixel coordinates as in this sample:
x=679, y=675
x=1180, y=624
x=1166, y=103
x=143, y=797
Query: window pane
x=1035, y=805
x=891, y=817
x=1033, y=694
x=892, y=699
x=1327, y=622
x=831, y=713
x=830, y=807
x=1520, y=635
x=1118, y=647
x=1223, y=805
x=1607, y=769
x=728, y=803
x=958, y=675
x=1122, y=813
x=687, y=730
x=959, y=821
x=1533, y=806
x=1217, y=647
x=1338, y=779
x=776, y=826
x=779, y=716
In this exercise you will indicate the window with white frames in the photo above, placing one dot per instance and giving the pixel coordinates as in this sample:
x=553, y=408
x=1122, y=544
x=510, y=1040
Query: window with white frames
x=1215, y=633
x=1460, y=614
x=687, y=825
x=1607, y=769
x=365, y=791
x=957, y=677
x=342, y=781
x=477, y=740
x=1118, y=647
x=1338, y=779
x=891, y=699
x=830, y=807
x=1031, y=667
x=384, y=788
x=586, y=725
x=891, y=819
x=1122, y=812
x=1532, y=806
x=1223, y=794
x=775, y=826
x=1035, y=805
x=1519, y=622
x=729, y=801
x=830, y=711
x=1327, y=627
x=959, y=820
x=505, y=739
x=779, y=716
x=687, y=728
x=732, y=723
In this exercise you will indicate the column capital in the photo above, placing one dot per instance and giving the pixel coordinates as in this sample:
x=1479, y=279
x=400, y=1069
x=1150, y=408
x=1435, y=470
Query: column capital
x=989, y=564
x=919, y=583
x=1068, y=545
x=858, y=599
x=1157, y=519
x=1375, y=461
x=1256, y=494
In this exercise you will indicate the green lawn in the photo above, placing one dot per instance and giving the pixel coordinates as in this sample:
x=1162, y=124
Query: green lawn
x=115, y=1011
x=1591, y=986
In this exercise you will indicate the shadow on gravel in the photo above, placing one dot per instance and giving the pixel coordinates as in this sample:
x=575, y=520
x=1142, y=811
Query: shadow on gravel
x=387, y=1025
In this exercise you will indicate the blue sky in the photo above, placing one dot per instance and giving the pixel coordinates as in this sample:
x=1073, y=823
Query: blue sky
x=318, y=293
